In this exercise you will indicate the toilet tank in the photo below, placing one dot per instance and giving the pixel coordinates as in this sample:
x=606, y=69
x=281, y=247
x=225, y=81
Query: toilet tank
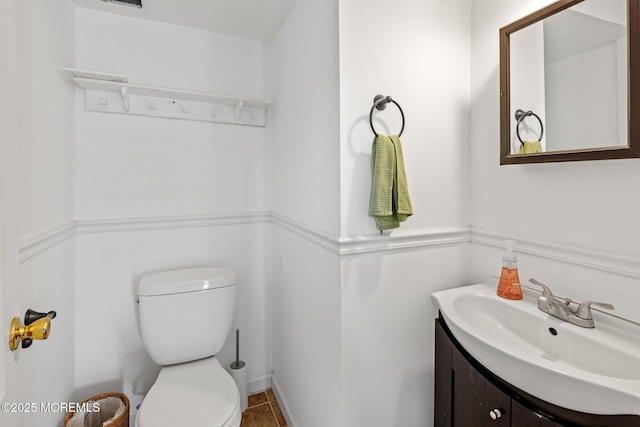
x=186, y=314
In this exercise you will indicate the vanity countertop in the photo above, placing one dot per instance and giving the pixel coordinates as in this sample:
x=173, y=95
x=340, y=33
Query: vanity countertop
x=590, y=370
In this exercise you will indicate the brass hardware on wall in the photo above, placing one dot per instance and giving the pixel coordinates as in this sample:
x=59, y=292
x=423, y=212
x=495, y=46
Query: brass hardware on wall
x=37, y=327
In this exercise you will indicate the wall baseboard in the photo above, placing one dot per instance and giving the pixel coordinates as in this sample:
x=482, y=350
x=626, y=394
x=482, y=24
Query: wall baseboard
x=282, y=403
x=259, y=383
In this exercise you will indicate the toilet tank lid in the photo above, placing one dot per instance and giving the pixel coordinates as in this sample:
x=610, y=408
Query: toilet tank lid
x=186, y=280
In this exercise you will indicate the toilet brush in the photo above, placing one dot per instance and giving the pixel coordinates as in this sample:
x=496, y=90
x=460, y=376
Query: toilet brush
x=238, y=371
x=238, y=364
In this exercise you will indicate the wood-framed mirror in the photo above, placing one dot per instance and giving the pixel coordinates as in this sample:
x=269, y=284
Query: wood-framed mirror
x=570, y=83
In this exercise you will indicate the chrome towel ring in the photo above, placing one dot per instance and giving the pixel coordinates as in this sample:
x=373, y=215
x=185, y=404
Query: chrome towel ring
x=520, y=116
x=380, y=102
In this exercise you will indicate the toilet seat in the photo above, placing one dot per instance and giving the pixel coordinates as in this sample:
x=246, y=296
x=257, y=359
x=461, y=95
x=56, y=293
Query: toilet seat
x=195, y=394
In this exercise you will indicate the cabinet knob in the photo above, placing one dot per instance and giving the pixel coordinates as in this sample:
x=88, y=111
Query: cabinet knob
x=495, y=414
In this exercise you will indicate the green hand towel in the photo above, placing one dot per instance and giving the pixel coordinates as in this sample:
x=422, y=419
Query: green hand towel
x=528, y=147
x=389, y=203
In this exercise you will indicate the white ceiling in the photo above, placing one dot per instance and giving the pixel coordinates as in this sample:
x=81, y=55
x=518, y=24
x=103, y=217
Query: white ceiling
x=571, y=33
x=251, y=19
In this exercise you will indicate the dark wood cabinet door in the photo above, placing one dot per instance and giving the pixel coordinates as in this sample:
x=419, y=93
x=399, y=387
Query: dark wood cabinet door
x=497, y=407
x=468, y=393
x=443, y=379
x=524, y=417
x=546, y=422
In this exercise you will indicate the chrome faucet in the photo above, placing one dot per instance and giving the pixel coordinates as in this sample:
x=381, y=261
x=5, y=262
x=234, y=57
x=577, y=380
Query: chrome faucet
x=561, y=309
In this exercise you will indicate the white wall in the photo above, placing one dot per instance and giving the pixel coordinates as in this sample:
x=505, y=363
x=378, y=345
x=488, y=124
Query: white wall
x=131, y=166
x=46, y=131
x=307, y=357
x=8, y=171
x=306, y=162
x=583, y=89
x=41, y=208
x=576, y=222
x=154, y=194
x=418, y=53
x=387, y=332
x=306, y=184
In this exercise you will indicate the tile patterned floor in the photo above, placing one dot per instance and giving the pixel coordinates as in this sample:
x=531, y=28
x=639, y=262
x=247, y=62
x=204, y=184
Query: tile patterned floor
x=263, y=411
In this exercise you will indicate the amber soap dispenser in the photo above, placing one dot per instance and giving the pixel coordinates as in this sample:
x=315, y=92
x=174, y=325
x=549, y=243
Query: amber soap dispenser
x=509, y=286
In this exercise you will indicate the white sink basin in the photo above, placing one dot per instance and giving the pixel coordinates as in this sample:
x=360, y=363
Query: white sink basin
x=590, y=370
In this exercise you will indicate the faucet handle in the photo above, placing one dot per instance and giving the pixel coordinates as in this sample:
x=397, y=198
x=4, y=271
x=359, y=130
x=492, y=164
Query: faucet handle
x=546, y=292
x=584, y=309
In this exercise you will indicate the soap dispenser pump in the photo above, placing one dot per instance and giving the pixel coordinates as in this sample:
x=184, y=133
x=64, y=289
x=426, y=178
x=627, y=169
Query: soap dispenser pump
x=509, y=286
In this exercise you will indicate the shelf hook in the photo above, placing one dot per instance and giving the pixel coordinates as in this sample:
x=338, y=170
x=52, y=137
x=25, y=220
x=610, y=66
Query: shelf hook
x=125, y=98
x=239, y=106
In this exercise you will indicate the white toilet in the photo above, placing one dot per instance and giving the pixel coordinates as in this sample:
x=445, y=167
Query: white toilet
x=185, y=318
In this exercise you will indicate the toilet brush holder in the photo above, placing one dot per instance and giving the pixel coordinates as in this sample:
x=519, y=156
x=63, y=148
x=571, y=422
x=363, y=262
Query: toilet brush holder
x=239, y=375
x=238, y=371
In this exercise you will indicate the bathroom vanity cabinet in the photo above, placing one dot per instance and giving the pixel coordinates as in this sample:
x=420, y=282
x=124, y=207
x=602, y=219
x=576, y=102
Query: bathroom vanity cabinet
x=468, y=395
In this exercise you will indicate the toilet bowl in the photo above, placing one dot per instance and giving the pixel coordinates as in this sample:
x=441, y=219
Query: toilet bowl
x=194, y=394
x=185, y=318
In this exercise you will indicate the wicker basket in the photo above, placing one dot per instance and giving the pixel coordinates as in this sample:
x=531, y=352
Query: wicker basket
x=121, y=421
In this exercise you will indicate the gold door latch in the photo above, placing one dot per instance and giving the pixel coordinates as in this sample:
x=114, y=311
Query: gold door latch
x=37, y=327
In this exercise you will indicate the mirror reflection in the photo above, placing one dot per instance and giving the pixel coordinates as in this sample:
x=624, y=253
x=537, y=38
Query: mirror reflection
x=567, y=83
x=570, y=70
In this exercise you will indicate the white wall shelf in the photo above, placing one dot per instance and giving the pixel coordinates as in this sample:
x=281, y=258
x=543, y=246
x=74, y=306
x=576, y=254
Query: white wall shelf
x=113, y=94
